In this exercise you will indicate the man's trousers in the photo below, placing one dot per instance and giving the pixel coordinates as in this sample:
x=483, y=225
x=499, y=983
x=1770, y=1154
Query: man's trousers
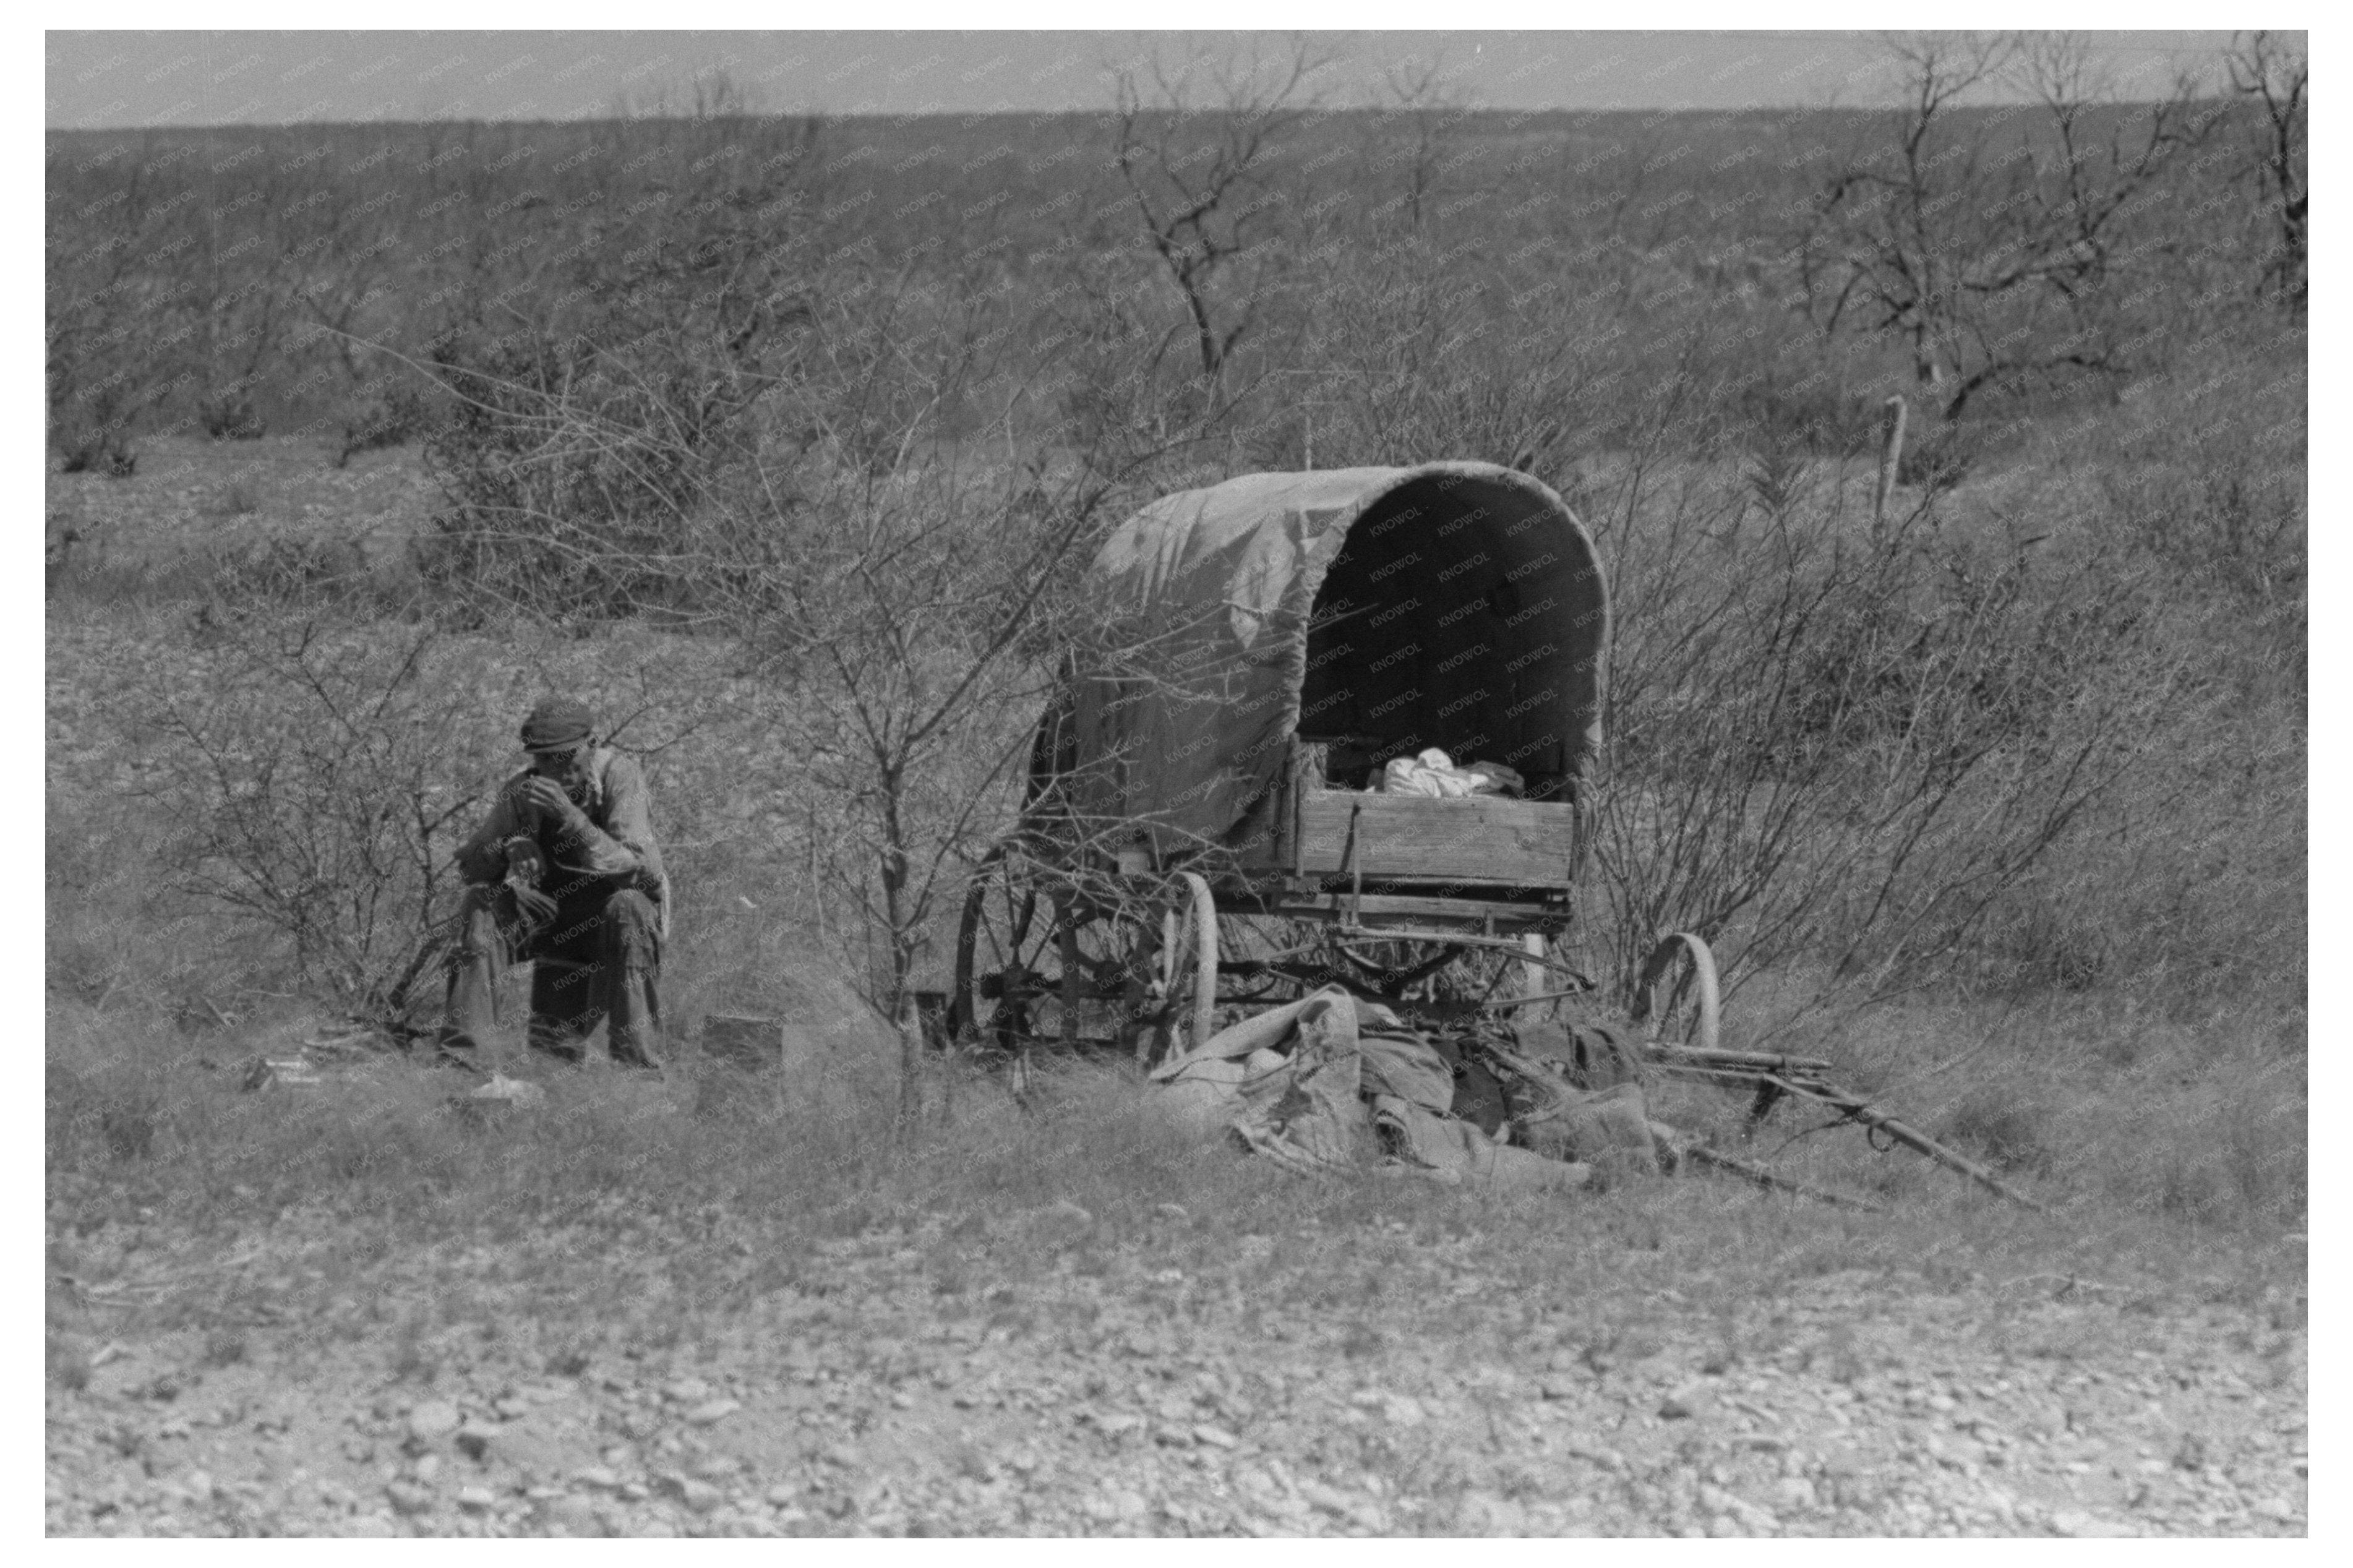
x=598, y=958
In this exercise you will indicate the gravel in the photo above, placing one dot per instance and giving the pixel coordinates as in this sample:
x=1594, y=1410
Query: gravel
x=865, y=1400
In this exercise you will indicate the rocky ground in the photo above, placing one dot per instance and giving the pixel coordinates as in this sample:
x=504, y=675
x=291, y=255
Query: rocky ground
x=1035, y=1376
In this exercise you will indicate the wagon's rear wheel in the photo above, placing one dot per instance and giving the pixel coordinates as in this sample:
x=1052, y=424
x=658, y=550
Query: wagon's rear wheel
x=1676, y=998
x=1037, y=962
x=1006, y=931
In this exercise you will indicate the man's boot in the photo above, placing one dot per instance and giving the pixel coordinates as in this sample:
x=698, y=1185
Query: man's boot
x=632, y=961
x=633, y=1028
x=564, y=1001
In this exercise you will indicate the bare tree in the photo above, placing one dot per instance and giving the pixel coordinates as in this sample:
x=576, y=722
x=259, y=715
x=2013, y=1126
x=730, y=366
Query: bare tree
x=914, y=616
x=1987, y=245
x=1200, y=176
x=1432, y=110
x=117, y=309
x=338, y=299
x=2274, y=73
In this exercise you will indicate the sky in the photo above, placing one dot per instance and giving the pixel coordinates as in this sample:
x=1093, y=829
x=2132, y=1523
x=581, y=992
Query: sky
x=110, y=79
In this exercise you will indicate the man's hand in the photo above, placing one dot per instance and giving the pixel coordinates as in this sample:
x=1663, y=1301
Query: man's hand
x=526, y=870
x=546, y=798
x=526, y=862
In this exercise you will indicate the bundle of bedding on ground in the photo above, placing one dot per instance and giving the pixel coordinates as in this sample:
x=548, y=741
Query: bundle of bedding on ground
x=1338, y=1082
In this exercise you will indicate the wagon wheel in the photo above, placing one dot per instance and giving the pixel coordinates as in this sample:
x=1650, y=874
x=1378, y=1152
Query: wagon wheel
x=1037, y=963
x=1684, y=1011
x=1185, y=971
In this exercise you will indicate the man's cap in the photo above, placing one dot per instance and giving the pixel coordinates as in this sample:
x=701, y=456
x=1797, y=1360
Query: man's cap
x=557, y=724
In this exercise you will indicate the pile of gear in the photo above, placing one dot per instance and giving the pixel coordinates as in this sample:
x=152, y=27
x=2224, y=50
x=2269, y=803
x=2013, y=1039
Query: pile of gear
x=1337, y=1082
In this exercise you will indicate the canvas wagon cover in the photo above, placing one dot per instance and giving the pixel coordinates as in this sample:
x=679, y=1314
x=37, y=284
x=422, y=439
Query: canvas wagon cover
x=1471, y=590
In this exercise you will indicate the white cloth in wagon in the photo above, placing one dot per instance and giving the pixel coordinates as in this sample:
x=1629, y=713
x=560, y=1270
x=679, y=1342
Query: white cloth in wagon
x=1334, y=1082
x=1433, y=773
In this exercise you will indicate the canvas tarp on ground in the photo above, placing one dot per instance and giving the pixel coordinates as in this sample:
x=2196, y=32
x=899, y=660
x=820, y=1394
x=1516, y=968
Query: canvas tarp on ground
x=1334, y=1083
x=1458, y=605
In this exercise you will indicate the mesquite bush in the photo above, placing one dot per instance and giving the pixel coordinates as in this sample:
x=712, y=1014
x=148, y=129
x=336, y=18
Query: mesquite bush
x=314, y=794
x=1837, y=746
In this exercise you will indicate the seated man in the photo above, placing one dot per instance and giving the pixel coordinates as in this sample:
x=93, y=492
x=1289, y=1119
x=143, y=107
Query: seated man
x=564, y=872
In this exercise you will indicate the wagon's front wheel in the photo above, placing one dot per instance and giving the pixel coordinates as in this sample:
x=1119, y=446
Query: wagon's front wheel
x=1677, y=997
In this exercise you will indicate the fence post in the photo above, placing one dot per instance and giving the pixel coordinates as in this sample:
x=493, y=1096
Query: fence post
x=1891, y=457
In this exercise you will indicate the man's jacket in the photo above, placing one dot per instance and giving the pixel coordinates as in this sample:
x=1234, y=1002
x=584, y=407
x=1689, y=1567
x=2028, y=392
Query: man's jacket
x=618, y=847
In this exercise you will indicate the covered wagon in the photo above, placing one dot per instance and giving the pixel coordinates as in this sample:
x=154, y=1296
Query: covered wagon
x=1334, y=727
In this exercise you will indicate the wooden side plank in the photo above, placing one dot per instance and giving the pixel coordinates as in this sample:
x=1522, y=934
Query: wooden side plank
x=1467, y=914
x=1478, y=839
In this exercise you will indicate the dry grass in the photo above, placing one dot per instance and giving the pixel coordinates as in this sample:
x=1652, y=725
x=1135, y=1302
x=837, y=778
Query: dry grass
x=727, y=1187
x=2131, y=1083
